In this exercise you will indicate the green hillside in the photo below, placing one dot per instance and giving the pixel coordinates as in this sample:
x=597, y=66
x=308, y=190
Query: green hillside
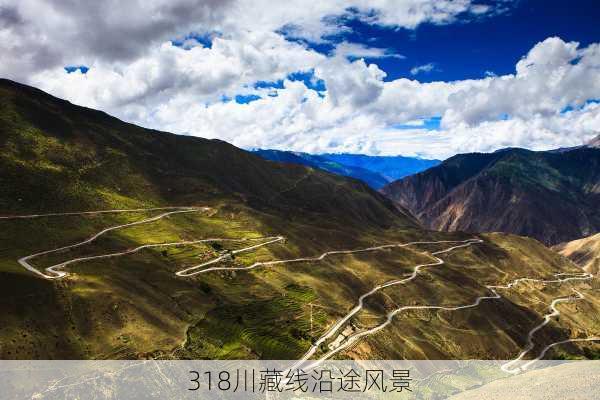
x=61, y=157
x=242, y=211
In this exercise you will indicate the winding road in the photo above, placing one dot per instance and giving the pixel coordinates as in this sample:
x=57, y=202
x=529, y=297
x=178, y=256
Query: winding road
x=530, y=344
x=194, y=270
x=74, y=213
x=304, y=259
x=351, y=339
x=55, y=272
x=52, y=271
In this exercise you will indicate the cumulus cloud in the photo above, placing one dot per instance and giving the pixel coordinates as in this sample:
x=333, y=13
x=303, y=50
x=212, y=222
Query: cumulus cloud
x=136, y=73
x=553, y=75
x=199, y=74
x=43, y=34
x=56, y=33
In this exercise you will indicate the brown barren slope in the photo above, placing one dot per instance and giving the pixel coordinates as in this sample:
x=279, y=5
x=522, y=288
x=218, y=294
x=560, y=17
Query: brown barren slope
x=550, y=196
x=584, y=252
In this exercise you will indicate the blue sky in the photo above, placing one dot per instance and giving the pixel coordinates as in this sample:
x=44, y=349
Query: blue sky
x=473, y=46
x=428, y=78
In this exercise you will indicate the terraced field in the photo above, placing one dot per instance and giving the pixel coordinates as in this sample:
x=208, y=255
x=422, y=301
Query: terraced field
x=250, y=294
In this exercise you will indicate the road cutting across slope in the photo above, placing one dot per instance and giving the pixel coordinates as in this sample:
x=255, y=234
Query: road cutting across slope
x=76, y=213
x=554, y=312
x=352, y=339
x=194, y=270
x=336, y=327
x=53, y=271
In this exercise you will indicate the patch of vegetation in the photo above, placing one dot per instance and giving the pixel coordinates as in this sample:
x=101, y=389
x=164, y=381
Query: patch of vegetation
x=60, y=157
x=275, y=328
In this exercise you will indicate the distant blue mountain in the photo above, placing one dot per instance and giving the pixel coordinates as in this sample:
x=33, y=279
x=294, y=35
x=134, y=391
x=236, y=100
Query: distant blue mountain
x=373, y=170
x=372, y=179
x=390, y=167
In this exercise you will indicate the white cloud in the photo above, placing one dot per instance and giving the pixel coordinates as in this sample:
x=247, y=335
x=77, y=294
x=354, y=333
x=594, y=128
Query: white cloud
x=553, y=75
x=356, y=50
x=411, y=13
x=414, y=123
x=42, y=34
x=136, y=74
x=422, y=68
x=201, y=75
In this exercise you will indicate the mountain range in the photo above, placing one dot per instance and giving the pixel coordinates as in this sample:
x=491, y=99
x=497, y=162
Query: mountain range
x=551, y=196
x=376, y=171
x=119, y=242
x=373, y=179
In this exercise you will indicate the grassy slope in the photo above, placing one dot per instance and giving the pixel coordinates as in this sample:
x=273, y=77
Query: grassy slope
x=479, y=331
x=59, y=157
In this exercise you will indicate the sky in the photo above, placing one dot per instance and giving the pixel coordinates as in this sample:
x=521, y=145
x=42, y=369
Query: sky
x=426, y=78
